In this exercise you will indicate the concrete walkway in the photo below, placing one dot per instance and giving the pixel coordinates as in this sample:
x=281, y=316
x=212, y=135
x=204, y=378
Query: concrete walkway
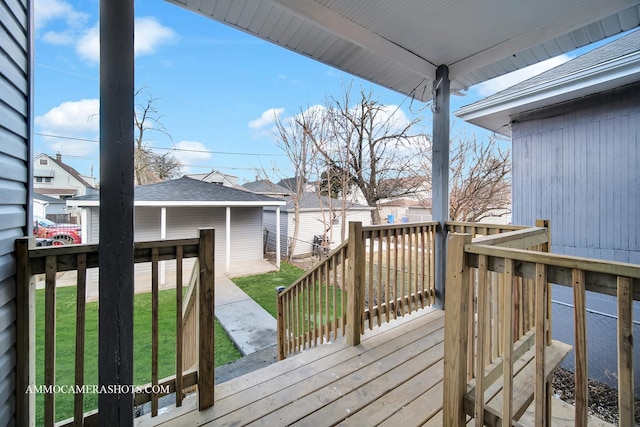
x=250, y=327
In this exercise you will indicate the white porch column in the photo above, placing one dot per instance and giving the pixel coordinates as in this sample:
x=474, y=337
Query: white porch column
x=163, y=236
x=440, y=176
x=84, y=221
x=228, y=240
x=278, y=237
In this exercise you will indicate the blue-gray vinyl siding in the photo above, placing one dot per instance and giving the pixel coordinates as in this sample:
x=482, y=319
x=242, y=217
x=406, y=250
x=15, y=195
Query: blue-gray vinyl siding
x=15, y=205
x=578, y=164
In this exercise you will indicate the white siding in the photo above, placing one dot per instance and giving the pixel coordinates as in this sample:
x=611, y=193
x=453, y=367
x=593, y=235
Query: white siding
x=313, y=223
x=147, y=223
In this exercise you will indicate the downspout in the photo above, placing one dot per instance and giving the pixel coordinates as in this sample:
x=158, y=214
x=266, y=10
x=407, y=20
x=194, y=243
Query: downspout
x=440, y=176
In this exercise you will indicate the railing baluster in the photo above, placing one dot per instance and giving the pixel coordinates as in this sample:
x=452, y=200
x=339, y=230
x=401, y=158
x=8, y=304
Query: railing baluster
x=369, y=279
x=410, y=287
x=580, y=347
x=81, y=289
x=50, y=339
x=540, y=393
x=179, y=340
x=507, y=342
x=387, y=294
x=379, y=273
x=483, y=326
x=625, y=351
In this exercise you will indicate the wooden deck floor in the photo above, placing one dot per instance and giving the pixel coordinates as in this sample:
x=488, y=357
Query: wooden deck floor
x=394, y=377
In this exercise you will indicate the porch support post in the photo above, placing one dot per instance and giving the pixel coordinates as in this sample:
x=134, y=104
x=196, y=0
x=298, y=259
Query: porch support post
x=116, y=278
x=227, y=248
x=440, y=176
x=278, y=237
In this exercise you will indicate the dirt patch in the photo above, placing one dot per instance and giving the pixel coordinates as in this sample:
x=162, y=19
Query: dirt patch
x=603, y=400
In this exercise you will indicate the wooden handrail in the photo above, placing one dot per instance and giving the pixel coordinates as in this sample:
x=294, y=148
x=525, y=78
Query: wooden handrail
x=391, y=270
x=52, y=260
x=507, y=257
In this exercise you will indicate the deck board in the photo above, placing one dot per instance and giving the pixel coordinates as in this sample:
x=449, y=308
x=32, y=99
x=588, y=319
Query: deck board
x=393, y=364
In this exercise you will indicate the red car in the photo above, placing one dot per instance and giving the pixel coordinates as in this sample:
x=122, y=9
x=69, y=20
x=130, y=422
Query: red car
x=60, y=234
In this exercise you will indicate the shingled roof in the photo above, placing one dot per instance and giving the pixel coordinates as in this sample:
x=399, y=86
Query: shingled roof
x=188, y=192
x=612, y=65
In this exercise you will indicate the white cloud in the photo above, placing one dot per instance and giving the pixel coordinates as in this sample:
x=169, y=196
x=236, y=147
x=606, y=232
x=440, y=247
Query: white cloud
x=499, y=83
x=71, y=117
x=195, y=153
x=59, y=38
x=266, y=119
x=46, y=11
x=149, y=36
x=69, y=120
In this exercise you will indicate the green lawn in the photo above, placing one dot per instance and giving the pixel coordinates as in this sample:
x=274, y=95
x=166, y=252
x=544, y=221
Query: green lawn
x=65, y=345
x=262, y=287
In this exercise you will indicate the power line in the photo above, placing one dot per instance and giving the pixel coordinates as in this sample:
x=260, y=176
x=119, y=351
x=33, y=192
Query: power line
x=187, y=150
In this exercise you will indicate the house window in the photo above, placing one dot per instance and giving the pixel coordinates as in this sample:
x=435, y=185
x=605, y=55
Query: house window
x=38, y=179
x=47, y=179
x=44, y=162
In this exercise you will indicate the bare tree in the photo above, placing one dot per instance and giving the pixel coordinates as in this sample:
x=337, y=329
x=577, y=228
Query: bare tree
x=480, y=181
x=292, y=136
x=150, y=166
x=371, y=146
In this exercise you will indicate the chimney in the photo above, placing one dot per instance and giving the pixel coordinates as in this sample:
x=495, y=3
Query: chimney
x=59, y=157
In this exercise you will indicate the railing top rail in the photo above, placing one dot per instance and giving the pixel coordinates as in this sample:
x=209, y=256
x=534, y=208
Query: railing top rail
x=486, y=225
x=587, y=264
x=516, y=239
x=66, y=255
x=334, y=252
x=367, y=228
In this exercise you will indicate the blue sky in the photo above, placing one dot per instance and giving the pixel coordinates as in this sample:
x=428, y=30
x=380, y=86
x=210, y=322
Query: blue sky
x=216, y=87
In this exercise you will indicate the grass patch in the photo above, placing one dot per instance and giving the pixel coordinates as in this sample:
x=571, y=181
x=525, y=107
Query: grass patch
x=65, y=345
x=262, y=287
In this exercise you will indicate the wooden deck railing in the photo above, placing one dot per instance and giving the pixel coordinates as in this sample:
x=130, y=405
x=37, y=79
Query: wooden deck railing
x=503, y=268
x=378, y=274
x=52, y=260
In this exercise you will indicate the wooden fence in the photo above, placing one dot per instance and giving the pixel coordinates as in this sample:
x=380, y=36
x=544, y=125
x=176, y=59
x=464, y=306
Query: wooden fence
x=378, y=274
x=195, y=311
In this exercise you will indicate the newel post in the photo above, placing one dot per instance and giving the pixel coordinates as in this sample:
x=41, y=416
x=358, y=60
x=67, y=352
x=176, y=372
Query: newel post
x=355, y=285
x=25, y=334
x=456, y=315
x=206, y=319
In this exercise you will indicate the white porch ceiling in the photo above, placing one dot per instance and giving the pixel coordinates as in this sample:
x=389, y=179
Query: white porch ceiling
x=398, y=44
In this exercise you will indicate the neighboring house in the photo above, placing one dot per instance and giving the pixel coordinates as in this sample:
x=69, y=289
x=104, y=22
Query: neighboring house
x=575, y=132
x=319, y=216
x=267, y=188
x=398, y=210
x=49, y=207
x=178, y=208
x=291, y=184
x=53, y=177
x=215, y=177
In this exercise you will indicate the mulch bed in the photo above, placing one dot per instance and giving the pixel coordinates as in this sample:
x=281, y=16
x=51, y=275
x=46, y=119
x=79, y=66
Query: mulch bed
x=603, y=400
